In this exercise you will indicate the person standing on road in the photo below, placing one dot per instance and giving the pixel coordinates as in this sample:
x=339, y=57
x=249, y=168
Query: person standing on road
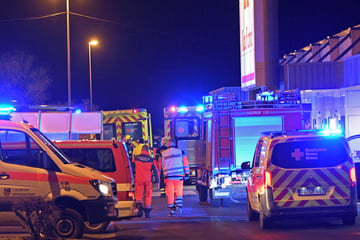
x=144, y=165
x=176, y=167
x=164, y=143
x=129, y=146
x=138, y=148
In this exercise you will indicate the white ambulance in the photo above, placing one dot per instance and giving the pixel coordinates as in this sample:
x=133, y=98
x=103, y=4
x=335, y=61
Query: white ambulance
x=31, y=167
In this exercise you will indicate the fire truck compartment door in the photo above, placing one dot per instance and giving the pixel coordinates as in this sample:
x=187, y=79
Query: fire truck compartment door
x=247, y=131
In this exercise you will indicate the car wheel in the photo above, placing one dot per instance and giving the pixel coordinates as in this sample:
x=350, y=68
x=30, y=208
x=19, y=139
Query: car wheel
x=69, y=224
x=265, y=222
x=252, y=215
x=95, y=228
x=349, y=220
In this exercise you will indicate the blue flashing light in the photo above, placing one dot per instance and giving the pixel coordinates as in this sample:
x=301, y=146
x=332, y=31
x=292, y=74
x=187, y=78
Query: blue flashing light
x=6, y=109
x=183, y=109
x=200, y=108
x=78, y=111
x=331, y=132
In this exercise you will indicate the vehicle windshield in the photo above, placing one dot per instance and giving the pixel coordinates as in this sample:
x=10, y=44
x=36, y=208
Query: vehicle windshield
x=312, y=153
x=187, y=128
x=53, y=148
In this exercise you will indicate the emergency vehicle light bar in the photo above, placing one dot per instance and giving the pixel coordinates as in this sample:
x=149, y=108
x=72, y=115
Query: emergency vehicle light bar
x=184, y=109
x=321, y=132
x=5, y=111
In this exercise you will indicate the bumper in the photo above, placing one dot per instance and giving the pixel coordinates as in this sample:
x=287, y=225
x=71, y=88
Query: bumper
x=318, y=212
x=270, y=210
x=100, y=210
x=126, y=209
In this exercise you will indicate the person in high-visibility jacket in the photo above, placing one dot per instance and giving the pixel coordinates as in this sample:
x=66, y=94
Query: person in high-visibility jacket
x=144, y=165
x=175, y=166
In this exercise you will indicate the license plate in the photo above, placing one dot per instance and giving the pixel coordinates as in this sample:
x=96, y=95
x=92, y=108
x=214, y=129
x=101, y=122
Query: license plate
x=312, y=191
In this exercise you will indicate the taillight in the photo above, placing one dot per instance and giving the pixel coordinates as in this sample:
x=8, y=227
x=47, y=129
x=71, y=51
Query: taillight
x=268, y=179
x=130, y=195
x=353, y=175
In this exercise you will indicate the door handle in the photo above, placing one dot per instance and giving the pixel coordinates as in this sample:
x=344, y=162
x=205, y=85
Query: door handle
x=4, y=176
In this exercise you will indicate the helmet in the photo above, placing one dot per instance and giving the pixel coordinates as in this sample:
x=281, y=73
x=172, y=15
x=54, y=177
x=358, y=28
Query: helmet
x=128, y=137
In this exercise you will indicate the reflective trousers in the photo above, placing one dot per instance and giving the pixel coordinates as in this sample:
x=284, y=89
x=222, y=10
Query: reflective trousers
x=140, y=187
x=174, y=192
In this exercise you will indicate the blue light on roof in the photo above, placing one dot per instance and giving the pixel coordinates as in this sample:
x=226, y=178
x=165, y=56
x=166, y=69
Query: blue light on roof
x=78, y=111
x=183, y=109
x=6, y=109
x=200, y=108
x=331, y=132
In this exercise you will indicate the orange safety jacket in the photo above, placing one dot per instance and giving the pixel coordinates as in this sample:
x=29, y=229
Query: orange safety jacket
x=144, y=164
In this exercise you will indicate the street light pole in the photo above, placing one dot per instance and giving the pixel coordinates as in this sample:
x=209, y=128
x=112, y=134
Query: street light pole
x=68, y=50
x=91, y=43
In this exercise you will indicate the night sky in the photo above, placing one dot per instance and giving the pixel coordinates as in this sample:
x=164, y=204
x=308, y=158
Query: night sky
x=155, y=53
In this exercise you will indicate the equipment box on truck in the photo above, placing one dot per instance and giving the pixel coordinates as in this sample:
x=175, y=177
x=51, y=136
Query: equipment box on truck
x=32, y=166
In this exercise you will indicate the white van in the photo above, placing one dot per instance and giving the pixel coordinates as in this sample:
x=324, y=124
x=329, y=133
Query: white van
x=301, y=174
x=31, y=166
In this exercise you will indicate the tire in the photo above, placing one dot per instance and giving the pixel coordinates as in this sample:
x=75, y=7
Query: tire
x=69, y=224
x=95, y=228
x=225, y=202
x=252, y=215
x=349, y=220
x=203, y=193
x=264, y=221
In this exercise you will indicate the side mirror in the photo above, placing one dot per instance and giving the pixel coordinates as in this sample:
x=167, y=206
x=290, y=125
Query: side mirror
x=245, y=165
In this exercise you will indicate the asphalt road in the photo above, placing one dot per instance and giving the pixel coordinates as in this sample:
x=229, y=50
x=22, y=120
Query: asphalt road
x=201, y=221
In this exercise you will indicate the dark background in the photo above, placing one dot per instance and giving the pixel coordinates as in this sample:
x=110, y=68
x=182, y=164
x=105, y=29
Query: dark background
x=156, y=53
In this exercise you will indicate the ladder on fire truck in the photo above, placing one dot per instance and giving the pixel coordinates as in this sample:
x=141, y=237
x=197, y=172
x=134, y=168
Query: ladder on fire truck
x=222, y=106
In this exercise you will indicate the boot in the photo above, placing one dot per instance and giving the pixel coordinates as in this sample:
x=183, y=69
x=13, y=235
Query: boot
x=140, y=209
x=172, y=211
x=147, y=212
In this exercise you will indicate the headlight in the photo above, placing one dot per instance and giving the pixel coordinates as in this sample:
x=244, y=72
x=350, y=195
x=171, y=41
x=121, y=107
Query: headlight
x=102, y=187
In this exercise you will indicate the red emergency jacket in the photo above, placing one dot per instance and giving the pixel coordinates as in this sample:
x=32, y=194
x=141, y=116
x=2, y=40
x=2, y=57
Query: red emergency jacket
x=144, y=164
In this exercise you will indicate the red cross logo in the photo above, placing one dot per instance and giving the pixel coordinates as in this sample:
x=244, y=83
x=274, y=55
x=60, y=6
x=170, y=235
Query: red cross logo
x=297, y=154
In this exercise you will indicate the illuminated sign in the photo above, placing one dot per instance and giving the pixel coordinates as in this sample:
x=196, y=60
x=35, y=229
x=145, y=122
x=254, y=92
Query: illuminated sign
x=247, y=44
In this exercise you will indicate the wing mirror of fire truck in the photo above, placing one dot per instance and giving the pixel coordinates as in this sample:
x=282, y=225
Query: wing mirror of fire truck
x=245, y=165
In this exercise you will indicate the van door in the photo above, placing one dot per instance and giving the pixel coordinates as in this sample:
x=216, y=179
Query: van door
x=256, y=179
x=24, y=169
x=311, y=172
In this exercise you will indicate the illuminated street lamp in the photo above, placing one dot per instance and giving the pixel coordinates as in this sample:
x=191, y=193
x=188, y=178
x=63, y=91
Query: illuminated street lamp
x=91, y=43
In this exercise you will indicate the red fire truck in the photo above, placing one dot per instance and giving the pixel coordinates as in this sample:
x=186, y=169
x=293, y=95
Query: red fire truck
x=219, y=137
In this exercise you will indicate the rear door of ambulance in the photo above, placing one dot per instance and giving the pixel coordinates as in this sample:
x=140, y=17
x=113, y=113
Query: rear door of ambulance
x=311, y=172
